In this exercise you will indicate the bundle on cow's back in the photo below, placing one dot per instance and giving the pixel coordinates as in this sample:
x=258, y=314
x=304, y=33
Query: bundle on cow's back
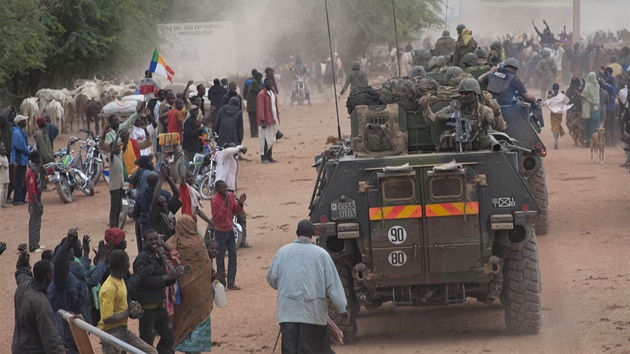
x=406, y=91
x=364, y=95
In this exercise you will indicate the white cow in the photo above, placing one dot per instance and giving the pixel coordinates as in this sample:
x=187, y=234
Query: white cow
x=56, y=113
x=30, y=109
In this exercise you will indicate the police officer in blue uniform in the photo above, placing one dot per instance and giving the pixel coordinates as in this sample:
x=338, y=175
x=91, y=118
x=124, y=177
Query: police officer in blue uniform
x=504, y=85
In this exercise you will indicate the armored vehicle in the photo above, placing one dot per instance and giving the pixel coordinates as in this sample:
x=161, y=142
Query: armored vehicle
x=427, y=226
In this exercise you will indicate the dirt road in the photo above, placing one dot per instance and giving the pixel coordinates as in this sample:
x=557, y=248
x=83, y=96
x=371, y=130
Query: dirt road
x=584, y=259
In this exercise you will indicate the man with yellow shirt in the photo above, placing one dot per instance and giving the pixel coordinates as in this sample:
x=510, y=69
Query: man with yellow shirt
x=115, y=309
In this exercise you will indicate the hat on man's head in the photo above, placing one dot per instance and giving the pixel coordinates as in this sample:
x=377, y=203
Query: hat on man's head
x=19, y=118
x=114, y=235
x=41, y=122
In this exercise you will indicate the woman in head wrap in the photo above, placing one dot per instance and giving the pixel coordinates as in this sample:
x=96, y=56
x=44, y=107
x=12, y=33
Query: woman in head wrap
x=574, y=114
x=191, y=320
x=590, y=107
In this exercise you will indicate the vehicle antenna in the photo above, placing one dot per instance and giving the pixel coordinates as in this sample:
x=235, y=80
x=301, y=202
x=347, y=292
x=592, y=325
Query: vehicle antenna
x=332, y=66
x=396, y=35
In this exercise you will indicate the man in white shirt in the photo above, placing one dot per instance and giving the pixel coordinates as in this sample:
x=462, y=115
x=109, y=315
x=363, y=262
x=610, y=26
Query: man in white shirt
x=227, y=170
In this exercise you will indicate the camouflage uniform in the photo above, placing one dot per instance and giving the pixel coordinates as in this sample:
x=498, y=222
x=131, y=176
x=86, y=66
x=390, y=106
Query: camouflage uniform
x=445, y=45
x=462, y=49
x=482, y=119
x=355, y=79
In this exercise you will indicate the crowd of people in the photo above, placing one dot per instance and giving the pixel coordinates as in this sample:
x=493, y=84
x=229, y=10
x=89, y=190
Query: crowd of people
x=171, y=129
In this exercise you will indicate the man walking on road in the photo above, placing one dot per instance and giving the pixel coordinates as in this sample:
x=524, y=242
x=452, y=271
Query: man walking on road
x=268, y=117
x=304, y=275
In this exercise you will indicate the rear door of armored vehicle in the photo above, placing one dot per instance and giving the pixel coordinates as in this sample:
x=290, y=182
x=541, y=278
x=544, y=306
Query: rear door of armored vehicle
x=424, y=227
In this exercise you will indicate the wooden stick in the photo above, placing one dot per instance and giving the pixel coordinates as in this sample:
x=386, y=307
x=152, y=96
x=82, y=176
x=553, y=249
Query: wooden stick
x=277, y=338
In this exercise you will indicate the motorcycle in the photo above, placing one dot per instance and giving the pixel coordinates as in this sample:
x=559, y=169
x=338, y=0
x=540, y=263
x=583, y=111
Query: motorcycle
x=238, y=231
x=66, y=176
x=205, y=176
x=128, y=202
x=93, y=164
x=300, y=91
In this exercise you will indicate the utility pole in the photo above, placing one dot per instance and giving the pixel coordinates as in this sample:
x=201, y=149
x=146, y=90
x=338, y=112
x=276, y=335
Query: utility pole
x=576, y=21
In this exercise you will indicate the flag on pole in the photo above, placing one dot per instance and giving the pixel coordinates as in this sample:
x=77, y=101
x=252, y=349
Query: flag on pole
x=159, y=66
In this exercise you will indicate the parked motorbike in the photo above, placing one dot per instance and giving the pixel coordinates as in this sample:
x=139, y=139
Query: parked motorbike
x=93, y=164
x=238, y=231
x=128, y=202
x=66, y=176
x=205, y=175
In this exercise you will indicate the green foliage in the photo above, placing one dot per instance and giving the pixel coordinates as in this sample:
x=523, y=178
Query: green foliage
x=23, y=37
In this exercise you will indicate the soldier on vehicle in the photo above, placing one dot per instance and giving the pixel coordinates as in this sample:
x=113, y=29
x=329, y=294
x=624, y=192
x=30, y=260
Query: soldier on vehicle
x=504, y=85
x=355, y=79
x=445, y=45
x=451, y=72
x=482, y=118
x=418, y=71
x=465, y=44
x=438, y=66
x=472, y=64
x=494, y=57
x=482, y=56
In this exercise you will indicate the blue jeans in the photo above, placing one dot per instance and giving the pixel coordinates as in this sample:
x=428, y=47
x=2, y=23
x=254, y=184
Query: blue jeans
x=226, y=240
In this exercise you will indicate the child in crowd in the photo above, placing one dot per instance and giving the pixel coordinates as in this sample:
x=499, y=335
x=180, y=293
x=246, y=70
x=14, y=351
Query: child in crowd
x=4, y=175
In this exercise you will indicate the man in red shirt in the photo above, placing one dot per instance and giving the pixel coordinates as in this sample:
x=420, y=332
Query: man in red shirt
x=35, y=207
x=224, y=207
x=176, y=120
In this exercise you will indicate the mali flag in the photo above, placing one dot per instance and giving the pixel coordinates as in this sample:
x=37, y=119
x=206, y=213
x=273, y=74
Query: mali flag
x=159, y=66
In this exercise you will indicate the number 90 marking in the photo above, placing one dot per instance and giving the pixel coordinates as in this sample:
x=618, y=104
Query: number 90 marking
x=397, y=235
x=397, y=258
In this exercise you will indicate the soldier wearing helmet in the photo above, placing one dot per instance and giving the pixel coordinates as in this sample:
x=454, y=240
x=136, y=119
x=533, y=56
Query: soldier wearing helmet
x=503, y=83
x=418, y=71
x=451, y=72
x=495, y=56
x=445, y=45
x=482, y=56
x=465, y=44
x=355, y=79
x=482, y=118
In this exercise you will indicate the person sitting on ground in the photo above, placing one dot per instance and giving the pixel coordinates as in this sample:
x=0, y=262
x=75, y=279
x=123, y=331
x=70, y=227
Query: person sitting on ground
x=35, y=328
x=115, y=309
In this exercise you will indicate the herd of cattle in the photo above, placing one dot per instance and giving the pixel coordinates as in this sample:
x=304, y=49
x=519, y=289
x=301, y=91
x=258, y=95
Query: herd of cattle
x=81, y=105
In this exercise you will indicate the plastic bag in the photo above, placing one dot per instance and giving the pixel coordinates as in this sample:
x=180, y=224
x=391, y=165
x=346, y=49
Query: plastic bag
x=220, y=299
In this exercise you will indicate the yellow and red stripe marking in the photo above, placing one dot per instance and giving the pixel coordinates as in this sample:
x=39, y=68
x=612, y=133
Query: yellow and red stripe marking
x=396, y=212
x=451, y=209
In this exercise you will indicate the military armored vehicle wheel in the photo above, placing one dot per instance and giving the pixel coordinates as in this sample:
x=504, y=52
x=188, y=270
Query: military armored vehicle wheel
x=349, y=327
x=538, y=181
x=521, y=290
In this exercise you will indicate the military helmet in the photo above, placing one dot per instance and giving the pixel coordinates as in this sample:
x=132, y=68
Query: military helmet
x=460, y=27
x=446, y=33
x=356, y=65
x=470, y=59
x=452, y=71
x=426, y=54
x=545, y=53
x=511, y=62
x=496, y=45
x=418, y=71
x=469, y=85
x=481, y=53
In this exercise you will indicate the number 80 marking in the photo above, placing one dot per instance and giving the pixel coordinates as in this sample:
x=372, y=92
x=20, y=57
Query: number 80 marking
x=397, y=258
